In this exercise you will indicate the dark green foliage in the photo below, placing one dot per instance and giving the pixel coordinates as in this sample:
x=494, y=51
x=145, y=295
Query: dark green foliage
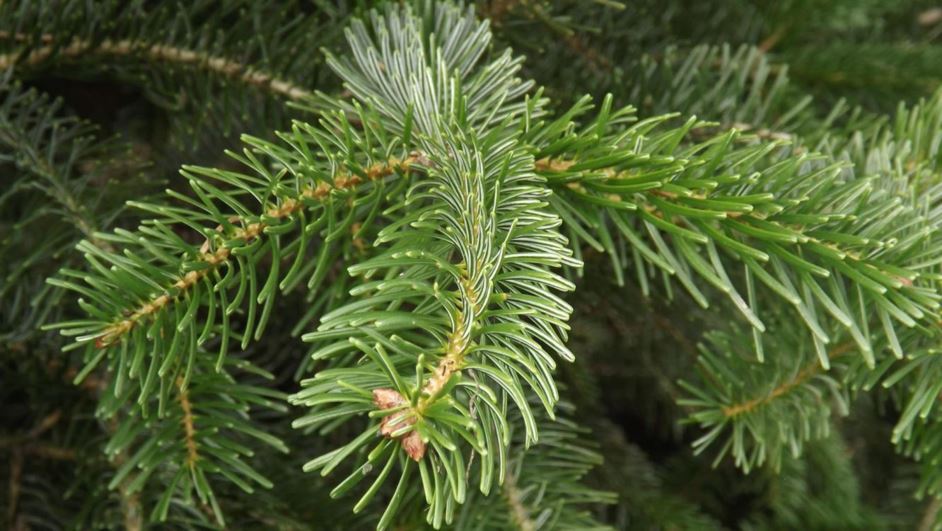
x=516, y=264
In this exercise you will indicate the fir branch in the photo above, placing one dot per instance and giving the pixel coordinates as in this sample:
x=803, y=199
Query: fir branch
x=545, y=486
x=744, y=415
x=131, y=507
x=79, y=48
x=737, y=87
x=808, y=372
x=215, y=68
x=190, y=456
x=788, y=241
x=51, y=154
x=250, y=231
x=575, y=39
x=78, y=214
x=52, y=149
x=172, y=286
x=473, y=253
x=189, y=429
x=521, y=516
x=904, y=155
x=436, y=338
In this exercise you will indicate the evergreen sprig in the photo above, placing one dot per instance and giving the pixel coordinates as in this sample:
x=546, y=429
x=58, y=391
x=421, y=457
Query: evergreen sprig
x=902, y=158
x=60, y=172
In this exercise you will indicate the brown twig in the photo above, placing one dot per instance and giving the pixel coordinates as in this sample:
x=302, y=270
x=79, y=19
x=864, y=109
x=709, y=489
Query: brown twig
x=931, y=515
x=521, y=516
x=48, y=451
x=26, y=444
x=154, y=52
x=16, y=473
x=189, y=428
x=769, y=42
x=44, y=425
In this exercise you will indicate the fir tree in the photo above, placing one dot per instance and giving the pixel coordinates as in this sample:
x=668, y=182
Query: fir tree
x=407, y=265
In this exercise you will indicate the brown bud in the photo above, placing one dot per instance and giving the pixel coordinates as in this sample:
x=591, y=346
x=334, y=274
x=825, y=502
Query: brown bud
x=930, y=17
x=387, y=398
x=411, y=442
x=414, y=445
x=393, y=423
x=420, y=159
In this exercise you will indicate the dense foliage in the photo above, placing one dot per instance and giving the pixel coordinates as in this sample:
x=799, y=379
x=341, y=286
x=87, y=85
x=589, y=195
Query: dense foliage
x=353, y=265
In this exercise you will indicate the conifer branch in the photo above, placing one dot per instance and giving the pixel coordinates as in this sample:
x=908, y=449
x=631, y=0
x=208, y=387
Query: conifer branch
x=79, y=48
x=39, y=138
x=250, y=232
x=189, y=429
x=131, y=507
x=431, y=282
x=78, y=214
x=472, y=260
x=573, y=183
x=542, y=488
x=521, y=516
x=497, y=10
x=285, y=205
x=808, y=372
x=51, y=149
x=802, y=246
x=474, y=286
x=478, y=232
